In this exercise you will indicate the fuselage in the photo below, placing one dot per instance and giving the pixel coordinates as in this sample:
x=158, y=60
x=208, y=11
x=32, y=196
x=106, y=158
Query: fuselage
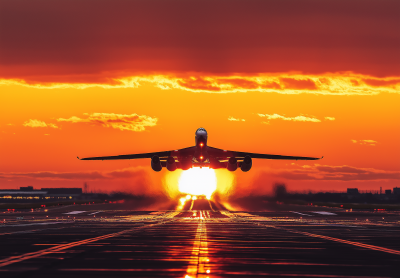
x=201, y=154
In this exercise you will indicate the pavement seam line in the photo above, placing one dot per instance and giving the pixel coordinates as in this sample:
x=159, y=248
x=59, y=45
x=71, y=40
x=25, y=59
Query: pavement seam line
x=354, y=243
x=27, y=256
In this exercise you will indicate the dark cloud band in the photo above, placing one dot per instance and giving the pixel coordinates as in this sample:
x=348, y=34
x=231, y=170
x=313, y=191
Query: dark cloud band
x=44, y=39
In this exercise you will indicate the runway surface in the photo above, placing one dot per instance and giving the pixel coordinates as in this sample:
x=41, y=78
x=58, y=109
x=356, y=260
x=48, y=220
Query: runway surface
x=110, y=240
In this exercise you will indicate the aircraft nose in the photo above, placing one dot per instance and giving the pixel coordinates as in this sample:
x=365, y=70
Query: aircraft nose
x=201, y=131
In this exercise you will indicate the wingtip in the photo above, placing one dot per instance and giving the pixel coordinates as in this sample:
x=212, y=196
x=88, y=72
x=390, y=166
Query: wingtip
x=322, y=157
x=78, y=157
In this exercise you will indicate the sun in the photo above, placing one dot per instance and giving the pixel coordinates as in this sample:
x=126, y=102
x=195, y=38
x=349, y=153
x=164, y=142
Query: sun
x=198, y=181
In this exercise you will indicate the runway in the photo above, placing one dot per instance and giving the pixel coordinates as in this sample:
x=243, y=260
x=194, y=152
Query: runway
x=110, y=240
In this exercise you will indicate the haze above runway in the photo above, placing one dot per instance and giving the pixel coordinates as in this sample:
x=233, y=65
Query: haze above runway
x=111, y=240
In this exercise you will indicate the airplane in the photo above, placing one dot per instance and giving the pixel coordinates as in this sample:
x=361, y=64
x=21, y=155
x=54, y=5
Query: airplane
x=200, y=155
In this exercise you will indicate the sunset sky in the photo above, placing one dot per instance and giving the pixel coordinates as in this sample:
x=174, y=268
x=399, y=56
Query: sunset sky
x=96, y=78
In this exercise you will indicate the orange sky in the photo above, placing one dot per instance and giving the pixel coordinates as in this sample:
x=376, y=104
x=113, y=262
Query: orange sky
x=306, y=78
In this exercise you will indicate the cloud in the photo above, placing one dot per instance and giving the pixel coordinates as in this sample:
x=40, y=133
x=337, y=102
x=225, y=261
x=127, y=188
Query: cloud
x=199, y=83
x=379, y=83
x=235, y=120
x=154, y=36
x=56, y=175
x=132, y=122
x=298, y=84
x=125, y=173
x=365, y=142
x=93, y=175
x=324, y=84
x=335, y=173
x=369, y=141
x=37, y=123
x=329, y=118
x=52, y=125
x=237, y=82
x=295, y=119
x=340, y=169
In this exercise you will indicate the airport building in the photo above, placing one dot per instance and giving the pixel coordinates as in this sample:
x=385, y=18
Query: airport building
x=30, y=195
x=352, y=191
x=355, y=191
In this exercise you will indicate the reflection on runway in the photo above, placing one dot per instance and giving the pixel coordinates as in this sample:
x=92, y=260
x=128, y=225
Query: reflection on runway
x=199, y=261
x=200, y=243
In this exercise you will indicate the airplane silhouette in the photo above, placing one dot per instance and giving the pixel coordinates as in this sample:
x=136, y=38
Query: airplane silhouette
x=200, y=155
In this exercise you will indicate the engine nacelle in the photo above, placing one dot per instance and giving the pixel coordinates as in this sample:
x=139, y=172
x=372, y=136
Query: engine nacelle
x=232, y=164
x=171, y=165
x=156, y=163
x=246, y=164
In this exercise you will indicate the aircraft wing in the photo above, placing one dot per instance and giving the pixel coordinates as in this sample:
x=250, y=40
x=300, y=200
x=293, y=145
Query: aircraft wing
x=225, y=154
x=174, y=153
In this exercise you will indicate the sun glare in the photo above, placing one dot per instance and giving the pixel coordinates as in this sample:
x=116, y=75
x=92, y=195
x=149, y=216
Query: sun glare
x=198, y=181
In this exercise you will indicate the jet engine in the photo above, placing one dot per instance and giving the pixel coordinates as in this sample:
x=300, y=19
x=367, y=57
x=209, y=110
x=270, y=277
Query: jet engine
x=246, y=164
x=232, y=164
x=156, y=163
x=171, y=165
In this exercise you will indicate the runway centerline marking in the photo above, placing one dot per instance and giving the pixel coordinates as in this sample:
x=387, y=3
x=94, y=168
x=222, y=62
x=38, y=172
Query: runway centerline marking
x=198, y=264
x=60, y=247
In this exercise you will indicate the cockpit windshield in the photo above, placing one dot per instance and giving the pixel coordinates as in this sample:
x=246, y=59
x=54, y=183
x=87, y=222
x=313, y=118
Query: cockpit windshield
x=201, y=130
